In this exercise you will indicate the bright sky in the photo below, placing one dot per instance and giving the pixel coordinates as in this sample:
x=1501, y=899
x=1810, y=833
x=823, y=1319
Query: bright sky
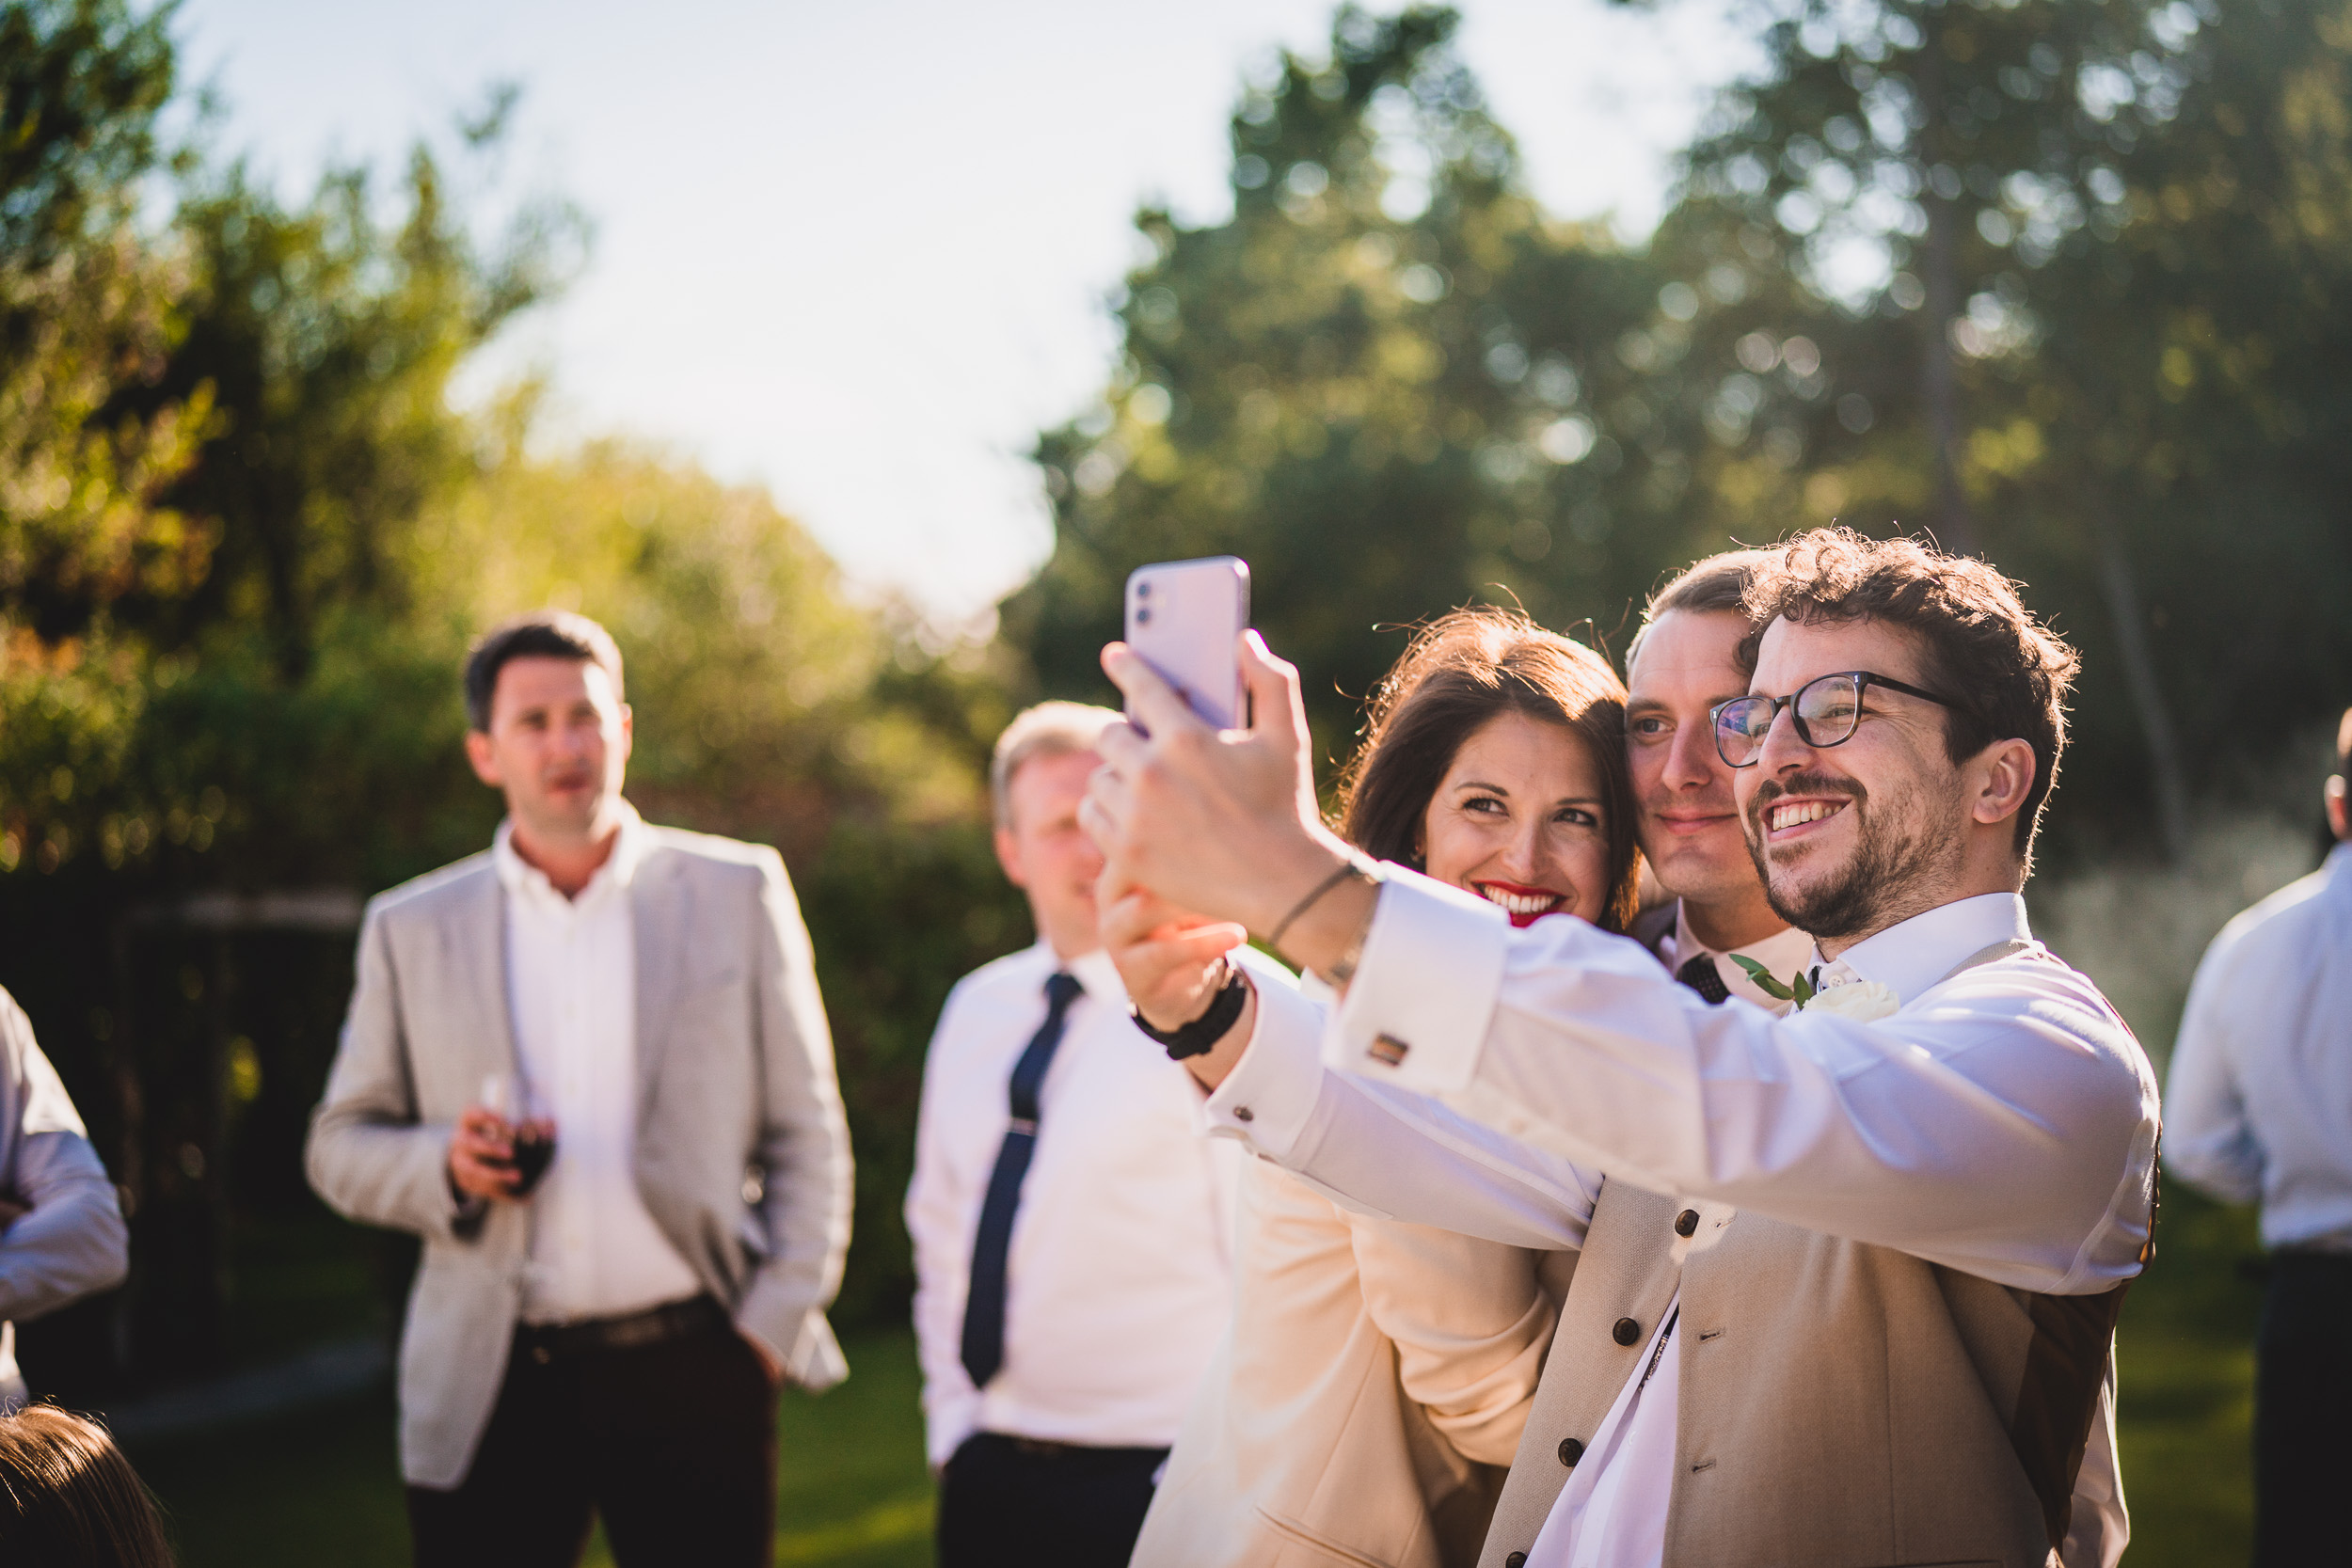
x=860, y=253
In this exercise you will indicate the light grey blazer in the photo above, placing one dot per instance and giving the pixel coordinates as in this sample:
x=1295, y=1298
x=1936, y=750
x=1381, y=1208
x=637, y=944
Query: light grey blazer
x=743, y=1153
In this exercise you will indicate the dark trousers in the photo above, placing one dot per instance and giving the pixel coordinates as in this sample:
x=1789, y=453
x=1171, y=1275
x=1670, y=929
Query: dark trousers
x=1005, y=1502
x=673, y=1444
x=2303, y=1413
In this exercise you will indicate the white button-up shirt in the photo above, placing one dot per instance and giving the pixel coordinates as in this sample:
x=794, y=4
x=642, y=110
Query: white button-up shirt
x=1119, y=1276
x=2260, y=1100
x=1784, y=954
x=2041, y=1107
x=571, y=986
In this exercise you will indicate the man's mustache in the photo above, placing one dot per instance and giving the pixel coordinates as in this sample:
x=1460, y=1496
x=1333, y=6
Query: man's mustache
x=1800, y=784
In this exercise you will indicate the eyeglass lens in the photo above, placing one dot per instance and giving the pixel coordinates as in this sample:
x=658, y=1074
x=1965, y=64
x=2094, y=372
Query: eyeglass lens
x=1826, y=711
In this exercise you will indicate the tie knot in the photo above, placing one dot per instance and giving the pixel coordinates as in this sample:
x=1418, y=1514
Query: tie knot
x=1699, y=972
x=1060, y=991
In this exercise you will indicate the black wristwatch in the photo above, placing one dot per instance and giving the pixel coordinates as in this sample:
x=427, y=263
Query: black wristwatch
x=1200, y=1036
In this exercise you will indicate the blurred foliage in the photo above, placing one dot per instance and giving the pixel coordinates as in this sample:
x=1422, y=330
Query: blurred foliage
x=246, y=537
x=2063, y=281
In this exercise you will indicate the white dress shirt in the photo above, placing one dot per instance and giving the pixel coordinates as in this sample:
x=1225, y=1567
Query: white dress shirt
x=1783, y=954
x=571, y=984
x=1119, y=1276
x=2002, y=1122
x=2260, y=1097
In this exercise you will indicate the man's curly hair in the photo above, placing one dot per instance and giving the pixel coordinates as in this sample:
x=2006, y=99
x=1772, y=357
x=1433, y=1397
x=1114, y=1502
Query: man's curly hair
x=2007, y=674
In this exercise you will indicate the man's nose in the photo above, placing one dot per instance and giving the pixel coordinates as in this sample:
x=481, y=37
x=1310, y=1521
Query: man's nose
x=1692, y=760
x=1783, y=751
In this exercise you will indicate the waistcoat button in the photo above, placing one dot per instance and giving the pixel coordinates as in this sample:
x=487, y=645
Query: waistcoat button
x=1626, y=1332
x=1517, y=1559
x=1686, y=1222
x=1570, y=1451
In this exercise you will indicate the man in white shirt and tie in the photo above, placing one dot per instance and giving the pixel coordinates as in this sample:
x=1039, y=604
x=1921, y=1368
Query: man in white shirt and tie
x=1849, y=1277
x=1070, y=1227
x=2259, y=1107
x=1690, y=656
x=590, y=1068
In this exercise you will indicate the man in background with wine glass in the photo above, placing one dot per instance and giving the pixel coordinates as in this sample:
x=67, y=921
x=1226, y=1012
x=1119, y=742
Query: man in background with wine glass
x=589, y=1067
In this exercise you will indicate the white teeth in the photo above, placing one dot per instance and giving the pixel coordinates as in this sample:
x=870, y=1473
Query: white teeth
x=1797, y=812
x=1522, y=903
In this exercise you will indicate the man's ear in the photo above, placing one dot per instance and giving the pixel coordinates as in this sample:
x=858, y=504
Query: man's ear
x=1009, y=856
x=2339, y=808
x=2002, y=777
x=485, y=760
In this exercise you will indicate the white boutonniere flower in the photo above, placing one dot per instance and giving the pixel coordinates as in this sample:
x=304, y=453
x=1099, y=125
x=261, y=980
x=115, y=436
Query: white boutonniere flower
x=1863, y=1000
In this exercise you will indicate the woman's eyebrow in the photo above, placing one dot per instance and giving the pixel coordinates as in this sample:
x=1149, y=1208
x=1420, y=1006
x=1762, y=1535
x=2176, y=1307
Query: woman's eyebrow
x=1480, y=784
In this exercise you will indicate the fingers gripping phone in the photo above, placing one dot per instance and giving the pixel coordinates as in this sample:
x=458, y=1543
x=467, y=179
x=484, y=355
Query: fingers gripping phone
x=1186, y=618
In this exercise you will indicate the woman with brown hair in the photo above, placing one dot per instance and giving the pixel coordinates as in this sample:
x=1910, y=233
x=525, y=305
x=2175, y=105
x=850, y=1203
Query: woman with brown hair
x=1370, y=1393
x=68, y=1498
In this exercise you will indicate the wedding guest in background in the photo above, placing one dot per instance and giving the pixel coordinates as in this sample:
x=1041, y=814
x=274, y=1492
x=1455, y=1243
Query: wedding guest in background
x=61, y=1230
x=1070, y=1228
x=603, y=1335
x=68, y=1498
x=2260, y=1109
x=1847, y=1290
x=1690, y=656
x=1377, y=1378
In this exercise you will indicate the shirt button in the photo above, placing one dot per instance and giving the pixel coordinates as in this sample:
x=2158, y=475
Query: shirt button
x=1517, y=1559
x=1686, y=1222
x=1243, y=1113
x=1570, y=1451
x=1626, y=1332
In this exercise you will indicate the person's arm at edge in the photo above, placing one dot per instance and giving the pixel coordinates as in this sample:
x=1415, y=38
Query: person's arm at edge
x=803, y=1151
x=2208, y=1141
x=936, y=1194
x=71, y=1241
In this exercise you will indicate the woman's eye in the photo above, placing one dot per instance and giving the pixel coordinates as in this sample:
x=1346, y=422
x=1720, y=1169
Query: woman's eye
x=1579, y=817
x=1487, y=804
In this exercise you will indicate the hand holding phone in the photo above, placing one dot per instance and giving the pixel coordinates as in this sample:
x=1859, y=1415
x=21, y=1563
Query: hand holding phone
x=1185, y=619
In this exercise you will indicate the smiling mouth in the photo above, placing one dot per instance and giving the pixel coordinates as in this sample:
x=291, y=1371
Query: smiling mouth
x=1785, y=816
x=1524, y=905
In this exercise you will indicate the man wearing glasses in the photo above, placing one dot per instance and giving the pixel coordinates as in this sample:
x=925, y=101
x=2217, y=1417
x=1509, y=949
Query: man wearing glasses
x=1849, y=1290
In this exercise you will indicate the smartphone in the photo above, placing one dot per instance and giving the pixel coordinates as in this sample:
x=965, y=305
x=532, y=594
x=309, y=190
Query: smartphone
x=1186, y=618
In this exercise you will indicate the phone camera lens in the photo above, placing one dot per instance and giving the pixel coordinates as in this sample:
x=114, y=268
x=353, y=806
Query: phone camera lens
x=1143, y=616
x=1143, y=589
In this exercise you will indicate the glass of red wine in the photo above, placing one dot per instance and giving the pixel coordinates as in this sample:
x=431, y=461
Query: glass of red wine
x=529, y=1134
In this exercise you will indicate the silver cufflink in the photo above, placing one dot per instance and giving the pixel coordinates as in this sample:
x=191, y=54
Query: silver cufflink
x=1389, y=1051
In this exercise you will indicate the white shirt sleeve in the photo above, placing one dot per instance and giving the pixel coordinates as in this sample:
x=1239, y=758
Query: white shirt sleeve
x=2003, y=1122
x=1388, y=1153
x=938, y=1197
x=2209, y=1139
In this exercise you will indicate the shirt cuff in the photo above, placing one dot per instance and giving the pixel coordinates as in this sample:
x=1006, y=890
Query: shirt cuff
x=1270, y=1094
x=1416, y=1014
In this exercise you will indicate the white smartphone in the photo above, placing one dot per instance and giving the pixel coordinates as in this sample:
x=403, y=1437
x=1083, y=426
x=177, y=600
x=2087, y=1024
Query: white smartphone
x=1185, y=617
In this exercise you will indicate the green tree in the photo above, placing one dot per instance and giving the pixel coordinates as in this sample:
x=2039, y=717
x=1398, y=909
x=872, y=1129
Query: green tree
x=1386, y=380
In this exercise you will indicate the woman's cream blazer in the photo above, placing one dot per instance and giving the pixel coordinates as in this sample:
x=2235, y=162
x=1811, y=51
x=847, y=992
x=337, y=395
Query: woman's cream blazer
x=1367, y=1399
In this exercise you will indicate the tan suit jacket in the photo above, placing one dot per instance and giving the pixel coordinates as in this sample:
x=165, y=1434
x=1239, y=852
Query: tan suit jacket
x=1363, y=1406
x=742, y=1154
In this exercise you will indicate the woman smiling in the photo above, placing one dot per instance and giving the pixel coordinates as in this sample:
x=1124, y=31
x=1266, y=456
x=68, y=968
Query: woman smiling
x=1373, y=1387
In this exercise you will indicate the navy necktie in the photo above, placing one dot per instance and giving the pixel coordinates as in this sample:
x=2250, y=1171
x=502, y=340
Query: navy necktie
x=1702, y=975
x=984, y=1307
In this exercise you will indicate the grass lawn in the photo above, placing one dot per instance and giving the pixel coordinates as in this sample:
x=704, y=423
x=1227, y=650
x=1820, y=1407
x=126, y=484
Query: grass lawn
x=320, y=1486
x=323, y=1487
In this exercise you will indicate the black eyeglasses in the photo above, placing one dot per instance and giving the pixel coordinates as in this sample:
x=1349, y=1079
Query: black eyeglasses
x=1825, y=710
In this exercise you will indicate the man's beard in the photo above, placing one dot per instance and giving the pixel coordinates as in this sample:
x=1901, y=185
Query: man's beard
x=1891, y=863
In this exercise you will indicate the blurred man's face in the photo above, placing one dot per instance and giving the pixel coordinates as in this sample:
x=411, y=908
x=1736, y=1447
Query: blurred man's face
x=1047, y=855
x=1688, y=822
x=558, y=745
x=1851, y=838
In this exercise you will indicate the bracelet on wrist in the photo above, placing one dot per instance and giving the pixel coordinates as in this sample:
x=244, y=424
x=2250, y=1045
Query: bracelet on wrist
x=1200, y=1036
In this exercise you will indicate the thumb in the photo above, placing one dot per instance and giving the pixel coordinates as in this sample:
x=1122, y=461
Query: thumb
x=1273, y=691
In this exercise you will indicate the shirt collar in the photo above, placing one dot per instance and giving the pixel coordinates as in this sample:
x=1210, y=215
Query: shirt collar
x=1097, y=973
x=1909, y=957
x=1785, y=953
x=2338, y=865
x=523, y=880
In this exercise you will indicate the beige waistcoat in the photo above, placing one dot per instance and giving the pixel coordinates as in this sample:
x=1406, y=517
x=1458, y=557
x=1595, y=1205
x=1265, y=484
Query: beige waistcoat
x=1843, y=1405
